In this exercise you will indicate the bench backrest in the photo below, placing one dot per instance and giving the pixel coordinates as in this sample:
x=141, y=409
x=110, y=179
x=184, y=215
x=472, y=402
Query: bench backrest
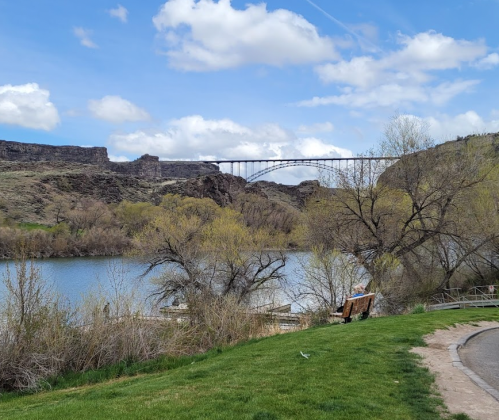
x=358, y=305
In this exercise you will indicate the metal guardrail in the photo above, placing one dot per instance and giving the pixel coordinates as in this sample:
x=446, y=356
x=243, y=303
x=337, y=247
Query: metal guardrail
x=477, y=296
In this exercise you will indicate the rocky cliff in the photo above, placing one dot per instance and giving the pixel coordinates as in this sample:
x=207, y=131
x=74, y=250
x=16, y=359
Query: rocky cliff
x=27, y=152
x=149, y=167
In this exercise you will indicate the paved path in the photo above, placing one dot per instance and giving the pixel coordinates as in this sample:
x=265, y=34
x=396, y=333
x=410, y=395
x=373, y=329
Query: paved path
x=481, y=355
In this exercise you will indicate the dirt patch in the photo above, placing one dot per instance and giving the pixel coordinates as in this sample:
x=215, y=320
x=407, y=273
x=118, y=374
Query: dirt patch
x=458, y=391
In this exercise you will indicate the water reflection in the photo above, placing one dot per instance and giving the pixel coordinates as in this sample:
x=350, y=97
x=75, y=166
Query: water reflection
x=74, y=278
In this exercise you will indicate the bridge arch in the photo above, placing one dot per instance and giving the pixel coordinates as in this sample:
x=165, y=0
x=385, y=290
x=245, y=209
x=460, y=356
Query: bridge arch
x=282, y=165
x=251, y=170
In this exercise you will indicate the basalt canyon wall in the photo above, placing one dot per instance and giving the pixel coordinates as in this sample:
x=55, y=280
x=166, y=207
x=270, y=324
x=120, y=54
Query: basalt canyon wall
x=28, y=152
x=149, y=167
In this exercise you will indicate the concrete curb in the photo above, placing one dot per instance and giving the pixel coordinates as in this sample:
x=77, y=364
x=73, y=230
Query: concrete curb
x=457, y=362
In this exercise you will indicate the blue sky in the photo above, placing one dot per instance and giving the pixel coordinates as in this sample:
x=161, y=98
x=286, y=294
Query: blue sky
x=201, y=79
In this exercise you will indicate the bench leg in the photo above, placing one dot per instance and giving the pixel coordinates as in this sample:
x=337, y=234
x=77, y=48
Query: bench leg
x=364, y=315
x=348, y=319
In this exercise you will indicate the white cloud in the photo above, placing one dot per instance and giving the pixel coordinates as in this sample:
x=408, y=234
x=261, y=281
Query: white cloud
x=114, y=158
x=424, y=52
x=221, y=37
x=394, y=94
x=406, y=75
x=434, y=51
x=488, y=62
x=120, y=13
x=325, y=127
x=445, y=127
x=84, y=36
x=442, y=93
x=116, y=110
x=194, y=137
x=28, y=106
x=312, y=147
x=360, y=71
x=384, y=95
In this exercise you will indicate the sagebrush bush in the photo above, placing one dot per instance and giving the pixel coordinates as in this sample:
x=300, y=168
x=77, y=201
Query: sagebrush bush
x=41, y=337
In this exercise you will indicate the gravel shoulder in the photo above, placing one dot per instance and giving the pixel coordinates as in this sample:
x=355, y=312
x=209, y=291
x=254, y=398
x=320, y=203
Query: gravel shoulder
x=458, y=391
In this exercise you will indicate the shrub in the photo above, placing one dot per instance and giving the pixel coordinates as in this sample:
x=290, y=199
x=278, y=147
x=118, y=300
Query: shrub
x=420, y=308
x=220, y=321
x=41, y=337
x=34, y=326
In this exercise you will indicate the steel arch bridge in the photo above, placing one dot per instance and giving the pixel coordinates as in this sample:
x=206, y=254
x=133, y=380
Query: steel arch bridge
x=251, y=170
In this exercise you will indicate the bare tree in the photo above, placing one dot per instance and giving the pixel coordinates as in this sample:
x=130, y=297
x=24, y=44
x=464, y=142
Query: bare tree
x=377, y=211
x=324, y=279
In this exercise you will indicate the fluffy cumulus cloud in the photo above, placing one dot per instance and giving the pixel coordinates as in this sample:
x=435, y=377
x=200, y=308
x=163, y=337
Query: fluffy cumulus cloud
x=120, y=13
x=488, y=62
x=446, y=127
x=114, y=158
x=312, y=147
x=84, y=36
x=406, y=75
x=207, y=35
x=194, y=137
x=434, y=51
x=116, y=110
x=27, y=106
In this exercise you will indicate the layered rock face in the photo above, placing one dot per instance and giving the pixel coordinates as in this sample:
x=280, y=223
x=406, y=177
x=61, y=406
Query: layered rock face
x=295, y=195
x=224, y=189
x=27, y=152
x=149, y=167
x=221, y=188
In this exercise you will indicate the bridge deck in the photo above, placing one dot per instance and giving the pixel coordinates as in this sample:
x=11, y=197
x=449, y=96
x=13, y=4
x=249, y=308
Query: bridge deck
x=465, y=304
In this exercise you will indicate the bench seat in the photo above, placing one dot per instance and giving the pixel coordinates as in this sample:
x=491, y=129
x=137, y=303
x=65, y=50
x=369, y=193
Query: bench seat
x=356, y=305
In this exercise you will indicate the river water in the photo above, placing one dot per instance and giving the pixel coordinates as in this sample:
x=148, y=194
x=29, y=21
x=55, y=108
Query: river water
x=74, y=278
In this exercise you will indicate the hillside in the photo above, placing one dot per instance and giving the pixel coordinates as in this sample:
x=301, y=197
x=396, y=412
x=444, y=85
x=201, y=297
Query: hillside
x=34, y=176
x=362, y=370
x=488, y=143
x=477, y=150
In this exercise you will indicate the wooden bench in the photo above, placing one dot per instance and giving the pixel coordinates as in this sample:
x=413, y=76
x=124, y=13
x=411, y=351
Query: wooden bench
x=357, y=305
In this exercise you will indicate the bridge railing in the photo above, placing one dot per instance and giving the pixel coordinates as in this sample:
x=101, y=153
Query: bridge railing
x=359, y=166
x=476, y=293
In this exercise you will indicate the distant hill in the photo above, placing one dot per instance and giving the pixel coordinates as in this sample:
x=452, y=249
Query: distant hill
x=484, y=149
x=33, y=176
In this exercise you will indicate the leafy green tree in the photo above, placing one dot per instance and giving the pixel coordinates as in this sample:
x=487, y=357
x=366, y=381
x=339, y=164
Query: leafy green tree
x=207, y=250
x=132, y=217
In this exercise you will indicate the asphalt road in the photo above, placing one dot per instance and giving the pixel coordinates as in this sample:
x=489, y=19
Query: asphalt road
x=481, y=355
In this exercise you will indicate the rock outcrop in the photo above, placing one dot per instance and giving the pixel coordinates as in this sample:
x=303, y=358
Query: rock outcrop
x=148, y=167
x=151, y=167
x=222, y=188
x=27, y=152
x=294, y=195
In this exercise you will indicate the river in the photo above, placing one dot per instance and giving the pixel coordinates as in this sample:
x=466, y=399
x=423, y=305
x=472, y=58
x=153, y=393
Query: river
x=74, y=278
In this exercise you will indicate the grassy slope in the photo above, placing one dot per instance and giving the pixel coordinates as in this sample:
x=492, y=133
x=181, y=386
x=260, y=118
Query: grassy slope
x=358, y=371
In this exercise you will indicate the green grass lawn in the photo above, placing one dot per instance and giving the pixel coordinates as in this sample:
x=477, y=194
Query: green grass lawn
x=362, y=370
